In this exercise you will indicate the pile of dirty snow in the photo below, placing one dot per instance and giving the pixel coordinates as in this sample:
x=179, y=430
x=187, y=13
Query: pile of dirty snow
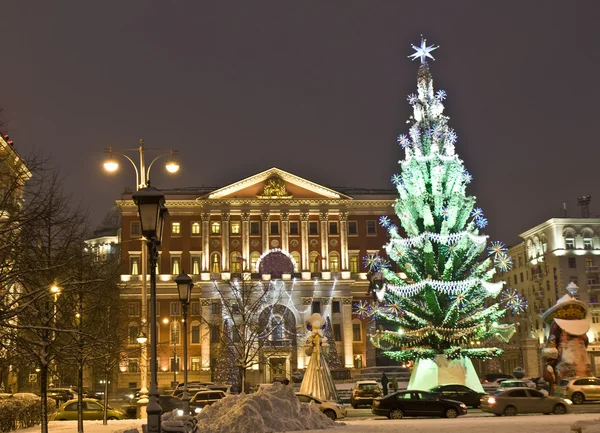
x=271, y=409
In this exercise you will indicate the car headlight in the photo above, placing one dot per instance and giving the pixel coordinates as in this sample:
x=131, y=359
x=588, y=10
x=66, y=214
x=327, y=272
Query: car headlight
x=463, y=405
x=130, y=396
x=567, y=401
x=179, y=412
x=198, y=410
x=491, y=400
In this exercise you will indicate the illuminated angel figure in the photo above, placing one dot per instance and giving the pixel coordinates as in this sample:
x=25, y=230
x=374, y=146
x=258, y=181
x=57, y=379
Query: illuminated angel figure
x=317, y=378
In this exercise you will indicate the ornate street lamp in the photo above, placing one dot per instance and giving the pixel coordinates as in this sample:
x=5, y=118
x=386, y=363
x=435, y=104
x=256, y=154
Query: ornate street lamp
x=152, y=212
x=184, y=286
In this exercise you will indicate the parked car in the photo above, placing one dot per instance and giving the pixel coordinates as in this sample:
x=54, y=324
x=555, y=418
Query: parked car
x=194, y=385
x=131, y=394
x=516, y=383
x=61, y=395
x=92, y=410
x=457, y=392
x=297, y=376
x=332, y=409
x=167, y=403
x=493, y=377
x=26, y=395
x=363, y=393
x=205, y=398
x=512, y=401
x=191, y=391
x=417, y=403
x=579, y=389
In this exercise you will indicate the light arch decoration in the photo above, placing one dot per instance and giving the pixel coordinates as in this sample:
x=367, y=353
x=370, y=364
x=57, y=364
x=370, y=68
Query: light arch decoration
x=274, y=250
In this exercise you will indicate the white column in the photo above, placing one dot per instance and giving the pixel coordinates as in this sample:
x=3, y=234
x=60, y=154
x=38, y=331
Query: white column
x=246, y=240
x=323, y=219
x=225, y=259
x=304, y=240
x=347, y=336
x=344, y=240
x=205, y=242
x=285, y=231
x=265, y=231
x=206, y=314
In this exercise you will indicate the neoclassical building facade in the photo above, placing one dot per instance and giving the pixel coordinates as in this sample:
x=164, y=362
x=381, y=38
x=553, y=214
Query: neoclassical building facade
x=301, y=239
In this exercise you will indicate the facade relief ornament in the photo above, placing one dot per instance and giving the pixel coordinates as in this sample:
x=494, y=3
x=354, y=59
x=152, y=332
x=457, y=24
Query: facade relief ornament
x=264, y=216
x=325, y=301
x=245, y=216
x=285, y=216
x=274, y=243
x=255, y=243
x=274, y=188
x=307, y=300
x=225, y=216
x=205, y=216
x=205, y=302
x=314, y=243
x=304, y=216
x=347, y=300
x=235, y=243
x=215, y=243
x=323, y=216
x=343, y=216
x=294, y=243
x=333, y=243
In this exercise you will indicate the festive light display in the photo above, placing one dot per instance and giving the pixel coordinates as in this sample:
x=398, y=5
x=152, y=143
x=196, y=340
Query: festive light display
x=440, y=303
x=514, y=301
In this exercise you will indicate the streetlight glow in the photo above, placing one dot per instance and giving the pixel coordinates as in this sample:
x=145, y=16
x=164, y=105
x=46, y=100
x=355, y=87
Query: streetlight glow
x=111, y=165
x=55, y=289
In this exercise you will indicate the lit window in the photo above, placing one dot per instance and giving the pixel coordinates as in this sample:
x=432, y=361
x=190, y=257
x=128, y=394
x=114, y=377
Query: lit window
x=253, y=260
x=195, y=228
x=134, y=263
x=296, y=256
x=235, y=228
x=175, y=265
x=134, y=309
x=314, y=262
x=371, y=228
x=195, y=364
x=215, y=228
x=236, y=262
x=195, y=265
x=215, y=264
x=334, y=264
x=176, y=228
x=354, y=264
x=132, y=365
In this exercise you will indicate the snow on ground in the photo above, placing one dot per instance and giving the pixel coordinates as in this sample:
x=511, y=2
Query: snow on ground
x=272, y=409
x=517, y=424
x=113, y=426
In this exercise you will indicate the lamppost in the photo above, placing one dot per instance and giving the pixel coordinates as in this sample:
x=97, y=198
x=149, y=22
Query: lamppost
x=142, y=179
x=184, y=287
x=152, y=212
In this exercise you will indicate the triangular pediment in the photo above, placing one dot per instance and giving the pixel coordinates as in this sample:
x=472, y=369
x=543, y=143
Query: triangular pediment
x=276, y=184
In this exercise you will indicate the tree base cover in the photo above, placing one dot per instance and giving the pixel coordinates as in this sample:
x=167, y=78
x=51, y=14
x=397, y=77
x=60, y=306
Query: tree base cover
x=271, y=409
x=428, y=373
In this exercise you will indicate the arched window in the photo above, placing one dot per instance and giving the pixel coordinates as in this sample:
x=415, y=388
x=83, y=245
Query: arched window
x=236, y=262
x=133, y=332
x=334, y=262
x=315, y=265
x=215, y=263
x=276, y=328
x=587, y=239
x=253, y=260
x=296, y=256
x=215, y=228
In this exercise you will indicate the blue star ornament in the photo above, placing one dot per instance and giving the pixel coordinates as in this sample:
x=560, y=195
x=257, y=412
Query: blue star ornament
x=423, y=51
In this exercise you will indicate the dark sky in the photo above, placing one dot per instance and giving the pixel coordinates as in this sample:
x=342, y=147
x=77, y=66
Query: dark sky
x=316, y=88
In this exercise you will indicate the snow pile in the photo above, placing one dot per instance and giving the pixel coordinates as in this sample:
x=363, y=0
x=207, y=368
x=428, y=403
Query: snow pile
x=272, y=409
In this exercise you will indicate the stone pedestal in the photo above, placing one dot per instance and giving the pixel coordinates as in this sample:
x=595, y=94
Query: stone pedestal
x=531, y=357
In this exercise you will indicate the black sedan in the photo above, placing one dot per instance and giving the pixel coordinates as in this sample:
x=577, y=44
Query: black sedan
x=417, y=403
x=461, y=393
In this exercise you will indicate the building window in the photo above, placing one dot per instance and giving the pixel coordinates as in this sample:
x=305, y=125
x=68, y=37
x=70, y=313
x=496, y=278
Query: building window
x=174, y=363
x=134, y=309
x=195, y=364
x=570, y=243
x=596, y=318
x=195, y=333
x=176, y=228
x=334, y=264
x=294, y=228
x=215, y=334
x=296, y=256
x=195, y=229
x=371, y=228
x=254, y=227
x=337, y=332
x=175, y=265
x=356, y=334
x=235, y=227
x=354, y=264
x=157, y=308
x=333, y=228
x=515, y=278
x=587, y=243
x=236, y=262
x=135, y=229
x=316, y=307
x=572, y=262
x=589, y=262
x=313, y=228
x=133, y=332
x=175, y=308
x=274, y=227
x=215, y=228
x=215, y=263
x=254, y=260
x=352, y=228
x=134, y=265
x=276, y=329
x=174, y=329
x=335, y=307
x=215, y=308
x=195, y=265
x=132, y=365
x=195, y=308
x=521, y=276
x=314, y=262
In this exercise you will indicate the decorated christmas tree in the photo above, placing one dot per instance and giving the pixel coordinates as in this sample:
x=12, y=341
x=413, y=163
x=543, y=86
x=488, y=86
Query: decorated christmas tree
x=332, y=357
x=224, y=370
x=443, y=310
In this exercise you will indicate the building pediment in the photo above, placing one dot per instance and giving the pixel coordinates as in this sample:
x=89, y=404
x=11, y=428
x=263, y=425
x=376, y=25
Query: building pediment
x=275, y=184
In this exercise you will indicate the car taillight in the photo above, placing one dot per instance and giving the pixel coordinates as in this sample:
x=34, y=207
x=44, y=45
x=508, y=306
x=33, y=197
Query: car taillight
x=491, y=400
x=564, y=388
x=376, y=403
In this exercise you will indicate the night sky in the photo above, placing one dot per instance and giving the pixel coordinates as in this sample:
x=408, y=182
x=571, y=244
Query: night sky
x=317, y=88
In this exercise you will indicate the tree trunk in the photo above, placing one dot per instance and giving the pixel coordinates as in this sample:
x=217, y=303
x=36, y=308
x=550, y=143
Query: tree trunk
x=105, y=399
x=80, y=393
x=44, y=396
x=244, y=385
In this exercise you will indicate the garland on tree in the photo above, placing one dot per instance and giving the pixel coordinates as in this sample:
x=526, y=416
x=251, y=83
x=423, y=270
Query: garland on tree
x=440, y=304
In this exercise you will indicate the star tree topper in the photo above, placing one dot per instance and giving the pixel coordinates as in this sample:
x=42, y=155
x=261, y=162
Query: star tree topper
x=423, y=51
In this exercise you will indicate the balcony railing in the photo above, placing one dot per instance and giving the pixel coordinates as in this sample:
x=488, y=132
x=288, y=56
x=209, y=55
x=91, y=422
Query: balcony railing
x=278, y=343
x=592, y=269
